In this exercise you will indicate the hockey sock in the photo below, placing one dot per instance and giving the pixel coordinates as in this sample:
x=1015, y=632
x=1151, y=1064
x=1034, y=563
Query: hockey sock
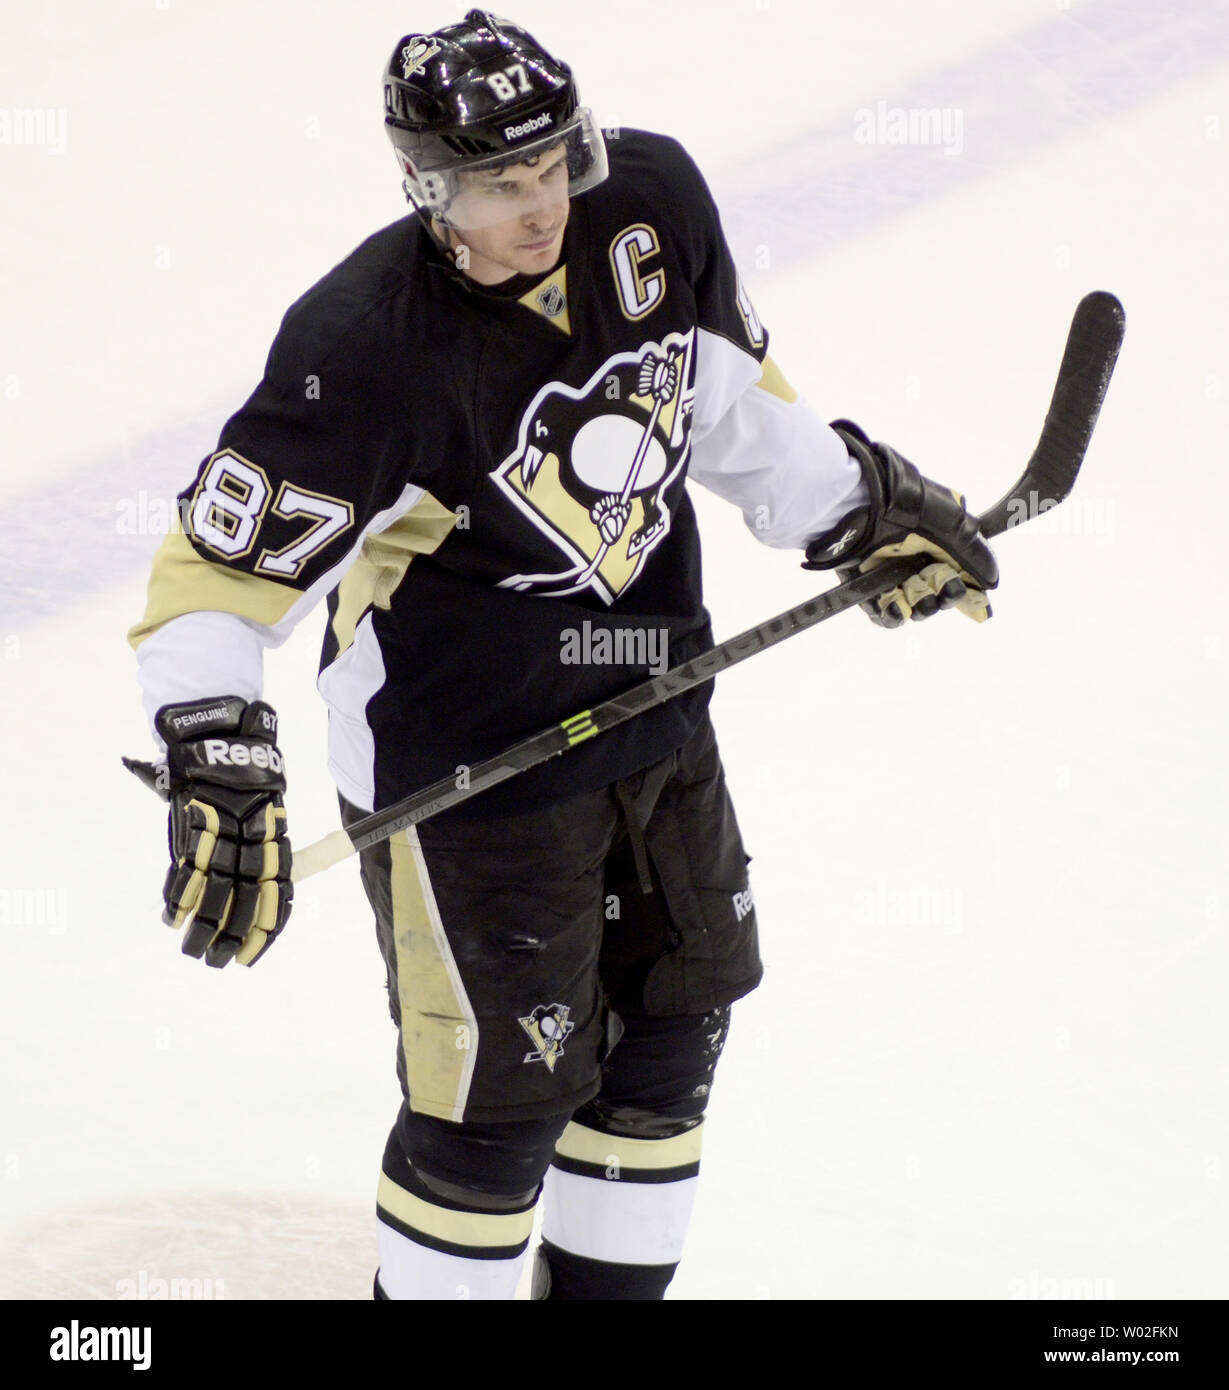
x=616, y=1212
x=456, y=1204
x=435, y=1248
x=447, y=1239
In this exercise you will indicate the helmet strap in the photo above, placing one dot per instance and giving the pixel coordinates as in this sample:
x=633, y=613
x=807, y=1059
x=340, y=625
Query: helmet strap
x=441, y=234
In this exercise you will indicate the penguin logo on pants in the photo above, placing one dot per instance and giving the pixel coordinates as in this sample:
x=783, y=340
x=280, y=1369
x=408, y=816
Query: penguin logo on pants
x=547, y=1025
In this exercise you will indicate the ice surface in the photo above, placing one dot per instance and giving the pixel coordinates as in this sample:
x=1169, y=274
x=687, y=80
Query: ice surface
x=989, y=862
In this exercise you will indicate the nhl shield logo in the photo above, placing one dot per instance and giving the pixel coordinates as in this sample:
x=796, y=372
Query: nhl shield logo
x=414, y=55
x=548, y=1025
x=593, y=467
x=551, y=300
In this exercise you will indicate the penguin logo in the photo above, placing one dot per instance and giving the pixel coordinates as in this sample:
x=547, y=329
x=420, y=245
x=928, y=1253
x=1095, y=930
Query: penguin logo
x=548, y=1025
x=596, y=469
x=414, y=55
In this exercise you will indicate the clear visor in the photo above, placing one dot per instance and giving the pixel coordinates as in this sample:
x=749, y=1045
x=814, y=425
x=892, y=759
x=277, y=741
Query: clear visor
x=472, y=194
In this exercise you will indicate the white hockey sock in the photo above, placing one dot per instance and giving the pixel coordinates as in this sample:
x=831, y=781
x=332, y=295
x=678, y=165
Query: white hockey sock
x=412, y=1271
x=624, y=1201
x=434, y=1252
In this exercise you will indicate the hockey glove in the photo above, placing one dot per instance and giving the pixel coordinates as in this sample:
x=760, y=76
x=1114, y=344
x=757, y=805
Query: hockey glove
x=908, y=515
x=229, y=881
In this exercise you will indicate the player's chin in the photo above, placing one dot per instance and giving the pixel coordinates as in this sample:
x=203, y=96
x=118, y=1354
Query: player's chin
x=534, y=256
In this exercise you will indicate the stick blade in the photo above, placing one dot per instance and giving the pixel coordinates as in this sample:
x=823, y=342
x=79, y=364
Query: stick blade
x=1093, y=342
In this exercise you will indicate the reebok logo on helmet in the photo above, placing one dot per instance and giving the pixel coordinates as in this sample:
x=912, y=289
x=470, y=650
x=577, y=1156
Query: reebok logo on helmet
x=514, y=132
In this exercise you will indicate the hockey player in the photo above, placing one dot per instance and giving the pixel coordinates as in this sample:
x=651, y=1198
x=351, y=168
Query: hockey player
x=472, y=438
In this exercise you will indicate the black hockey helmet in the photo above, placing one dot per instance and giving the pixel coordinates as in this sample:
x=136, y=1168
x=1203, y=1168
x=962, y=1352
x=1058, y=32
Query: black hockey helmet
x=479, y=95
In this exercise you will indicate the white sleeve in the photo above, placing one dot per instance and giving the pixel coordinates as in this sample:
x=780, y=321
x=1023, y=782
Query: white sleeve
x=206, y=627
x=758, y=444
x=199, y=655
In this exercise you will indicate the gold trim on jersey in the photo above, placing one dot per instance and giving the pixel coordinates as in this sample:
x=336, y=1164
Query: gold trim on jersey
x=772, y=381
x=751, y=320
x=183, y=581
x=592, y=1146
x=550, y=299
x=382, y=563
x=439, y=1029
x=481, y=1230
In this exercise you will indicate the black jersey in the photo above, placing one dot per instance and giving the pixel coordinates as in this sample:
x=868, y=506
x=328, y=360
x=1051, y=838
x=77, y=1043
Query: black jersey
x=487, y=483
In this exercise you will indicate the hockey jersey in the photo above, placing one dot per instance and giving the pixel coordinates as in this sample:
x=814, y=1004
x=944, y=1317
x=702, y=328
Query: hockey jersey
x=487, y=486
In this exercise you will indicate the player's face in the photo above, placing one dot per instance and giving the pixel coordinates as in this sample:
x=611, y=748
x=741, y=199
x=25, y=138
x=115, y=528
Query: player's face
x=528, y=239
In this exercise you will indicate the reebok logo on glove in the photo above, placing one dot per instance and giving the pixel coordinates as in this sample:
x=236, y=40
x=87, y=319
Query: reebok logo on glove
x=838, y=545
x=228, y=885
x=220, y=753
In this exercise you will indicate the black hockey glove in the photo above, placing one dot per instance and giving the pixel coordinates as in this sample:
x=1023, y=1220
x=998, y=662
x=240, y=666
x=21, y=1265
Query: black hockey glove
x=908, y=515
x=229, y=880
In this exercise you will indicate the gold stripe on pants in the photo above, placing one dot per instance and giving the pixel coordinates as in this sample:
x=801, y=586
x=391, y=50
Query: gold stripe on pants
x=439, y=1030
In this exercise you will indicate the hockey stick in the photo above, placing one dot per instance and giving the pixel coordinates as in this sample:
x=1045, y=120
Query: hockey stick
x=1083, y=376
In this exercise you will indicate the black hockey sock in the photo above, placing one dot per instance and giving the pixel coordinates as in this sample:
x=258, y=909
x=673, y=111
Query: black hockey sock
x=575, y=1277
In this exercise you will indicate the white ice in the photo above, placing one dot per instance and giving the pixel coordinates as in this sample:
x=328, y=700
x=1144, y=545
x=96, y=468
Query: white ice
x=988, y=1056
